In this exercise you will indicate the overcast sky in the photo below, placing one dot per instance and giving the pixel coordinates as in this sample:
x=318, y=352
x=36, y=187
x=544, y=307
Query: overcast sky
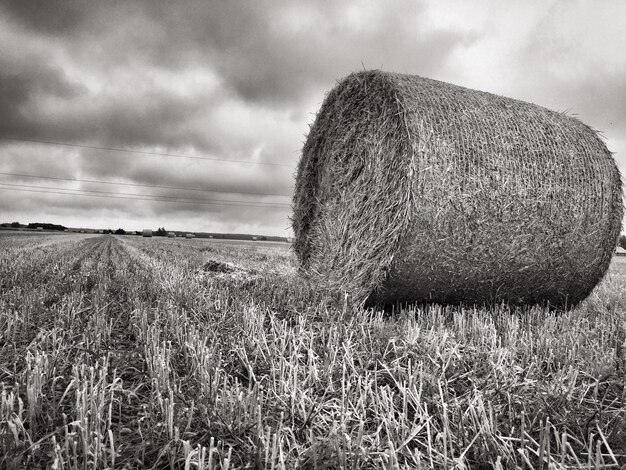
x=241, y=81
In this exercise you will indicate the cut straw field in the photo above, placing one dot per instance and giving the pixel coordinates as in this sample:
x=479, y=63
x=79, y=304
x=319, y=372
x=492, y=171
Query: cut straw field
x=125, y=352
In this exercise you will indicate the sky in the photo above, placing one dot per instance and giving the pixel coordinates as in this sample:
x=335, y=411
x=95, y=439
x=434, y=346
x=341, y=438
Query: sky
x=133, y=89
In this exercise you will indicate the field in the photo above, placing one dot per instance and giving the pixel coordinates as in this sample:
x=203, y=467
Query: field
x=128, y=352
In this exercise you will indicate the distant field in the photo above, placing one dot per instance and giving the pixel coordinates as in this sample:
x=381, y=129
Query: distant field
x=131, y=352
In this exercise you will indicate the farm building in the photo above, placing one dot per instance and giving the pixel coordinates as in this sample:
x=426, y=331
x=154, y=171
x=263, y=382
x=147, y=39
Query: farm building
x=465, y=178
x=189, y=235
x=619, y=251
x=146, y=232
x=171, y=235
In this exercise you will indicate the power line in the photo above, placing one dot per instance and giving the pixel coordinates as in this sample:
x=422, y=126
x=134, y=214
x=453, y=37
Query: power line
x=139, y=197
x=156, y=196
x=143, y=152
x=140, y=185
x=129, y=198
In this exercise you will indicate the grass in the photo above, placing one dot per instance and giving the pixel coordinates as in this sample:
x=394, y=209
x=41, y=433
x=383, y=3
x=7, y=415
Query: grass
x=124, y=352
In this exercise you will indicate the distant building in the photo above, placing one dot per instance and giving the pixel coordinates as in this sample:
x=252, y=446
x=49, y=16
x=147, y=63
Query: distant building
x=171, y=235
x=190, y=235
x=619, y=251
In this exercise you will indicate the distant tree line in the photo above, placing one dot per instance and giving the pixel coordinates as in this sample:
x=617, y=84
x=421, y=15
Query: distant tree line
x=12, y=225
x=46, y=226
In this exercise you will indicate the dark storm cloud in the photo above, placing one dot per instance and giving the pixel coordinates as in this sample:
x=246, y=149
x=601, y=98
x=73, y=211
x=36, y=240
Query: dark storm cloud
x=22, y=85
x=278, y=52
x=234, y=80
x=39, y=100
x=154, y=117
x=248, y=44
x=50, y=16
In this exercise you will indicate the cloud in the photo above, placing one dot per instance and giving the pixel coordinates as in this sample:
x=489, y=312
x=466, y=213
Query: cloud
x=51, y=16
x=241, y=80
x=239, y=48
x=23, y=86
x=229, y=80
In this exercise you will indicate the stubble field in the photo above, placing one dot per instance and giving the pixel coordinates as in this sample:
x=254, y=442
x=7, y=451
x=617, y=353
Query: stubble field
x=125, y=352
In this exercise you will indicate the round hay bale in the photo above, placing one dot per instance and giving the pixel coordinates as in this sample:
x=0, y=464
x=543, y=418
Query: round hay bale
x=146, y=232
x=415, y=190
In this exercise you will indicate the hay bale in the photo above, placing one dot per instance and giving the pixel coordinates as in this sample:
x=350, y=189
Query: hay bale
x=415, y=190
x=146, y=232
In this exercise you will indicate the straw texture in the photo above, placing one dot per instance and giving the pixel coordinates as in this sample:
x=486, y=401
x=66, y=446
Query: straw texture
x=415, y=190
